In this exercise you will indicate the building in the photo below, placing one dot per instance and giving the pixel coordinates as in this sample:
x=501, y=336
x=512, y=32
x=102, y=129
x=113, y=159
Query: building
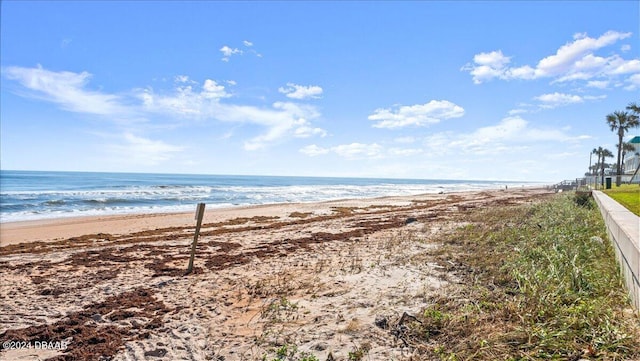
x=632, y=159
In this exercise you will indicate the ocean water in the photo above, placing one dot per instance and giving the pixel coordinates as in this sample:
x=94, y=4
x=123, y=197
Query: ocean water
x=29, y=195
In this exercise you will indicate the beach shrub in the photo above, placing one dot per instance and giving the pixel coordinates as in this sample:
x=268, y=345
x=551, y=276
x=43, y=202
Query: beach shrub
x=289, y=353
x=583, y=199
x=537, y=282
x=359, y=352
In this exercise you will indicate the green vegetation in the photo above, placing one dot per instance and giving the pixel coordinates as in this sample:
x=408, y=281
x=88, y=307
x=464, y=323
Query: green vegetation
x=537, y=282
x=280, y=310
x=358, y=353
x=628, y=195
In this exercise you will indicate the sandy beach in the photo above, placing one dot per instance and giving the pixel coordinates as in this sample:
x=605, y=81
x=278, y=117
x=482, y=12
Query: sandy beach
x=326, y=278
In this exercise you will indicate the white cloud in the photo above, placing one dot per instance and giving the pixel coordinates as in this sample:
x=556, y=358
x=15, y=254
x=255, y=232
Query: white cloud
x=634, y=82
x=621, y=66
x=187, y=101
x=523, y=72
x=517, y=111
x=507, y=129
x=295, y=91
x=404, y=152
x=348, y=151
x=494, y=59
x=314, y=150
x=306, y=132
x=226, y=135
x=143, y=151
x=182, y=79
x=573, y=61
x=405, y=140
x=227, y=52
x=570, y=54
x=624, y=48
x=510, y=134
x=594, y=97
x=273, y=133
x=282, y=120
x=68, y=89
x=506, y=147
x=557, y=99
x=599, y=84
x=554, y=100
x=488, y=66
x=416, y=115
x=212, y=90
x=577, y=36
x=358, y=150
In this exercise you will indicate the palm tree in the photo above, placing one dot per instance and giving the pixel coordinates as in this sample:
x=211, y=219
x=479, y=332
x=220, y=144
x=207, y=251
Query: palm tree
x=597, y=151
x=621, y=122
x=594, y=169
x=606, y=153
x=602, y=154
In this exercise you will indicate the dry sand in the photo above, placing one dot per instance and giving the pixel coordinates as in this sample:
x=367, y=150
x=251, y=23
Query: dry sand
x=327, y=278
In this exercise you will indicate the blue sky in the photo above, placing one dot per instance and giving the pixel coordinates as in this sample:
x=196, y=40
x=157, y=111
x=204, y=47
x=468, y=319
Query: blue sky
x=451, y=90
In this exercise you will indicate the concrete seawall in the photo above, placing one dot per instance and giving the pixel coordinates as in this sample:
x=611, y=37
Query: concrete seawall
x=623, y=228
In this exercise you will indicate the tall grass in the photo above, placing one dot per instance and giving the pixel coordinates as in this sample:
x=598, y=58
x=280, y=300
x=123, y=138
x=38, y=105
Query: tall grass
x=537, y=282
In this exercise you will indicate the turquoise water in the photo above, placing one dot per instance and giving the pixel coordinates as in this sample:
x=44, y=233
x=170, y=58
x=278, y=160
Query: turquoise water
x=28, y=195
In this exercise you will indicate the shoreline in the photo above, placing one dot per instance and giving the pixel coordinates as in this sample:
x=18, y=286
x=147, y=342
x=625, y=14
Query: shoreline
x=51, y=229
x=158, y=199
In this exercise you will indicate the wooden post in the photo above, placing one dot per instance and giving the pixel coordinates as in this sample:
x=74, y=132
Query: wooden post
x=199, y=215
